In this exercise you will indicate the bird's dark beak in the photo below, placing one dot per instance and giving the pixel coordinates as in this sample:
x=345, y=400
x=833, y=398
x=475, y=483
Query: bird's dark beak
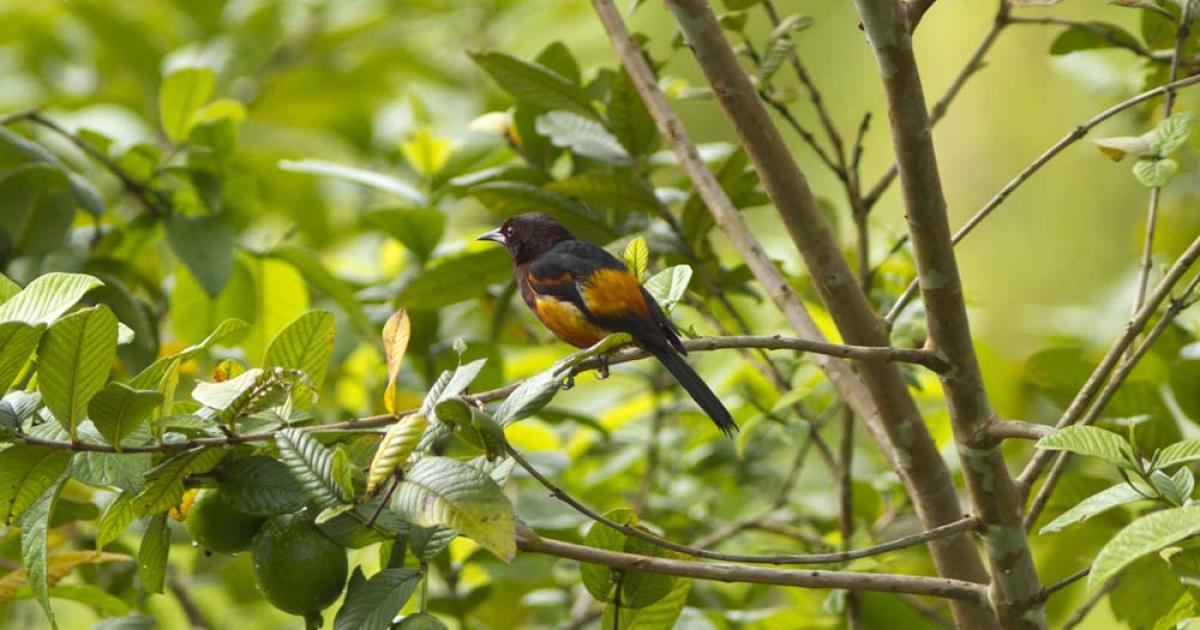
x=495, y=236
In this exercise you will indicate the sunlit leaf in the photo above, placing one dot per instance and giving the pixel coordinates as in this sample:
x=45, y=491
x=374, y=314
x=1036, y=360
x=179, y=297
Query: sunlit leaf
x=378, y=181
x=182, y=94
x=75, y=357
x=1091, y=441
x=1098, y=503
x=443, y=491
x=1147, y=534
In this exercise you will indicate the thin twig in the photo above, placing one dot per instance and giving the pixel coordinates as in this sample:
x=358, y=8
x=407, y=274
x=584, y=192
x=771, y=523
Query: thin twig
x=530, y=542
x=1079, y=615
x=814, y=94
x=143, y=193
x=1147, y=262
x=964, y=524
x=1051, y=589
x=1072, y=137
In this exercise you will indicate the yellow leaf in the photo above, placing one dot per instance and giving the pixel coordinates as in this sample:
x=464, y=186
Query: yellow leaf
x=58, y=567
x=395, y=342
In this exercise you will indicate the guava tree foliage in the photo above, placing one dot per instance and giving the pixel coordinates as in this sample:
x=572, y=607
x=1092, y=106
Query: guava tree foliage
x=256, y=371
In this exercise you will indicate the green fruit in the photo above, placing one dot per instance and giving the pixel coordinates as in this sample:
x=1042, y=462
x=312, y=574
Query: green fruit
x=217, y=526
x=296, y=567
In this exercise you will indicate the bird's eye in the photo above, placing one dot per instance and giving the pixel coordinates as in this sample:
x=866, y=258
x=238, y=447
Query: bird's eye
x=508, y=231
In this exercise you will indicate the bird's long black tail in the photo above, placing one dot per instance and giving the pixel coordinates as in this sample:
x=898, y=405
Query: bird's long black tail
x=695, y=386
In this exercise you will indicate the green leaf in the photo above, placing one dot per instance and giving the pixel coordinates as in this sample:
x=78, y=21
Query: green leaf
x=37, y=209
x=118, y=410
x=599, y=579
x=152, y=555
x=1098, y=503
x=378, y=181
x=628, y=118
x=121, y=470
x=164, y=483
x=47, y=298
x=418, y=229
x=615, y=191
x=261, y=486
x=280, y=296
x=120, y=513
x=1091, y=36
x=509, y=199
x=1155, y=173
x=34, y=529
x=26, y=471
x=8, y=288
x=372, y=604
x=306, y=344
x=443, y=491
x=313, y=466
x=638, y=589
x=74, y=360
x=669, y=285
x=453, y=279
x=394, y=449
x=1143, y=536
x=22, y=150
x=1179, y=453
x=205, y=244
x=1093, y=442
x=530, y=396
x=182, y=94
x=153, y=375
x=583, y=136
x=535, y=84
x=317, y=275
x=1177, y=488
x=662, y=614
x=1172, y=133
x=426, y=153
x=100, y=600
x=18, y=340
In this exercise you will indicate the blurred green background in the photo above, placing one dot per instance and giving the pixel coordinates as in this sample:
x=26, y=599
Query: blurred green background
x=349, y=81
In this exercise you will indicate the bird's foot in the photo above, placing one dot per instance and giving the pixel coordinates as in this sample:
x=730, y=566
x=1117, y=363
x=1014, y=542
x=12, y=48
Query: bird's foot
x=602, y=368
x=568, y=382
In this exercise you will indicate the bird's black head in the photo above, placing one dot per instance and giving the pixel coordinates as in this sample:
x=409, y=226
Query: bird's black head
x=528, y=236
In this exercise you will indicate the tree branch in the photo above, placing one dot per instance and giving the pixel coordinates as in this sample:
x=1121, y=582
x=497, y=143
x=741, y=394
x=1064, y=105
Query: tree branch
x=528, y=541
x=999, y=429
x=993, y=495
x=954, y=528
x=922, y=469
x=1072, y=137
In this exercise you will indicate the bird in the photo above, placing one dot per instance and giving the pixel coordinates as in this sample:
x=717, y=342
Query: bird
x=582, y=294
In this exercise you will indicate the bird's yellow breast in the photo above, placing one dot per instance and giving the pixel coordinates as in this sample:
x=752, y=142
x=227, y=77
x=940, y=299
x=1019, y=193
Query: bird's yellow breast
x=567, y=321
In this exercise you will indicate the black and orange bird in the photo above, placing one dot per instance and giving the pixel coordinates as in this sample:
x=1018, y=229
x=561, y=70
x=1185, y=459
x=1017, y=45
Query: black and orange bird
x=583, y=294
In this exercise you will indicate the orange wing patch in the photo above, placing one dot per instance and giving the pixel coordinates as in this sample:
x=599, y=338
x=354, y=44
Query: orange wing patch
x=614, y=292
x=567, y=321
